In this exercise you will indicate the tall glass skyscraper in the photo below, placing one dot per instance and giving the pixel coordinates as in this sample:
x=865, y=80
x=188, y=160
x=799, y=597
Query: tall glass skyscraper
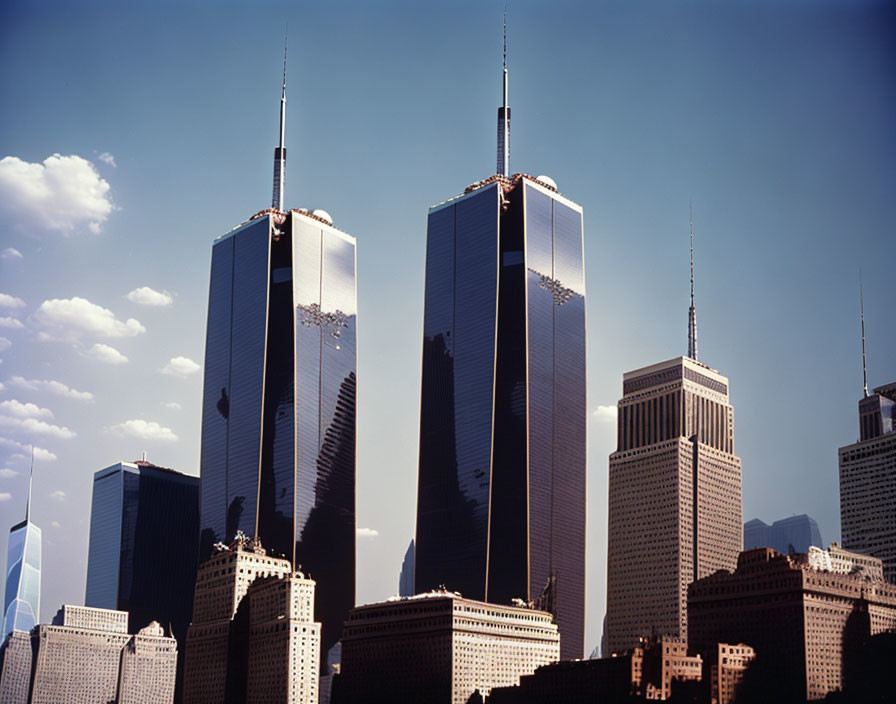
x=501, y=503
x=21, y=602
x=278, y=416
x=144, y=527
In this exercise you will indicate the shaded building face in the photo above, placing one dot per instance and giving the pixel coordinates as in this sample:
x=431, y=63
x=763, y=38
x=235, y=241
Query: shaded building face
x=21, y=602
x=501, y=503
x=128, y=569
x=278, y=421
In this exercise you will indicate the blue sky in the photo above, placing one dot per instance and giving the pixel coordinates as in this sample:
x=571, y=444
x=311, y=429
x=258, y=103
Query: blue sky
x=777, y=119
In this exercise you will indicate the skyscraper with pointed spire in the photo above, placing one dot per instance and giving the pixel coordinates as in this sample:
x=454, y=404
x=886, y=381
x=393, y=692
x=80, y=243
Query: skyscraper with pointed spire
x=674, y=509
x=501, y=491
x=278, y=417
x=21, y=605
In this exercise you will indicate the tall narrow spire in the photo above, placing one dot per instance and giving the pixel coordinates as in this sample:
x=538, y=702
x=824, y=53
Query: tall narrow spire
x=504, y=117
x=30, y=480
x=280, y=151
x=692, y=312
x=862, y=308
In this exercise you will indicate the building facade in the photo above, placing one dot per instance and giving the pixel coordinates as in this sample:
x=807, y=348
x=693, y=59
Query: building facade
x=868, y=481
x=144, y=529
x=727, y=670
x=278, y=418
x=674, y=509
x=82, y=659
x=501, y=491
x=801, y=620
x=21, y=602
x=439, y=648
x=15, y=668
x=253, y=636
x=793, y=534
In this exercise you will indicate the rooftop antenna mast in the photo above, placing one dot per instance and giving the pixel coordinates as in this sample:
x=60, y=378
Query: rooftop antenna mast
x=280, y=151
x=692, y=311
x=862, y=308
x=504, y=117
x=30, y=481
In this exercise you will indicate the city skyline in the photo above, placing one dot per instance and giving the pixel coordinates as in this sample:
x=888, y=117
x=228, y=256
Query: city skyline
x=781, y=159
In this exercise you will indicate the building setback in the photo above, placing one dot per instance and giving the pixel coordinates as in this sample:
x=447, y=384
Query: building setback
x=439, y=648
x=801, y=620
x=868, y=481
x=253, y=638
x=83, y=658
x=130, y=565
x=674, y=497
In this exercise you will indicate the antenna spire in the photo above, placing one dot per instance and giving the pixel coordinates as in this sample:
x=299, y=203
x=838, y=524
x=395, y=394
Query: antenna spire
x=692, y=311
x=862, y=308
x=280, y=151
x=30, y=481
x=504, y=117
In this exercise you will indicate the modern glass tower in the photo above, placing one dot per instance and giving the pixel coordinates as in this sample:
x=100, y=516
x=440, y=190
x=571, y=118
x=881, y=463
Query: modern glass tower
x=144, y=527
x=278, y=417
x=21, y=603
x=501, y=491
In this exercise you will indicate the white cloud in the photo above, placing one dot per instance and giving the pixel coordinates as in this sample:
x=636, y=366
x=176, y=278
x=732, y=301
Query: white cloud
x=106, y=354
x=11, y=323
x=7, y=301
x=180, y=366
x=145, y=430
x=40, y=453
x=11, y=253
x=606, y=414
x=64, y=193
x=55, y=387
x=7, y=473
x=107, y=158
x=367, y=532
x=147, y=296
x=55, y=524
x=58, y=495
x=32, y=426
x=5, y=344
x=70, y=318
x=25, y=410
x=5, y=496
x=173, y=404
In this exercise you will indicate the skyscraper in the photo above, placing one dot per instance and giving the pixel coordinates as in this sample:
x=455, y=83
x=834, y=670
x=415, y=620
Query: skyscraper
x=674, y=509
x=278, y=417
x=501, y=491
x=144, y=528
x=21, y=603
x=787, y=535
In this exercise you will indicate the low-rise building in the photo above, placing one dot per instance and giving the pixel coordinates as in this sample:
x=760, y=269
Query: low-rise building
x=148, y=668
x=439, y=648
x=727, y=671
x=15, y=668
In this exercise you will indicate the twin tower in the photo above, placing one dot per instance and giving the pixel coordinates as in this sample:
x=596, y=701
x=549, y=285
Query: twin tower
x=501, y=488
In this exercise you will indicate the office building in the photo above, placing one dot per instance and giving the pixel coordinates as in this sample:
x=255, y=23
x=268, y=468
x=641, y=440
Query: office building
x=86, y=655
x=253, y=638
x=802, y=620
x=21, y=602
x=144, y=527
x=868, y=481
x=278, y=416
x=15, y=668
x=501, y=490
x=406, y=578
x=727, y=667
x=654, y=670
x=674, y=509
x=439, y=648
x=788, y=535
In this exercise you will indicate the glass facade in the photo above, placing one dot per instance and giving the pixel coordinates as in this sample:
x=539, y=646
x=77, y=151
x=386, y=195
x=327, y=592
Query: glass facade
x=282, y=365
x=21, y=602
x=142, y=557
x=501, y=492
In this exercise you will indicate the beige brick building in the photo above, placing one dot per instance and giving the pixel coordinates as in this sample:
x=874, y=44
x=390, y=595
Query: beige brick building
x=674, y=512
x=253, y=636
x=439, y=648
x=801, y=620
x=727, y=671
x=15, y=668
x=148, y=668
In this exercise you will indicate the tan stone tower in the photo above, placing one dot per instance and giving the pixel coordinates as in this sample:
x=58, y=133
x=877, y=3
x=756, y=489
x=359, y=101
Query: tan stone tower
x=674, y=497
